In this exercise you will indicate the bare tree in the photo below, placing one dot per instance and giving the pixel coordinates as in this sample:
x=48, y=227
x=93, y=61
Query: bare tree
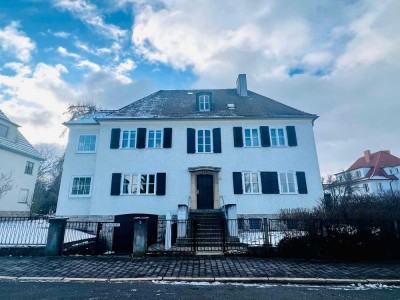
x=79, y=109
x=340, y=186
x=6, y=183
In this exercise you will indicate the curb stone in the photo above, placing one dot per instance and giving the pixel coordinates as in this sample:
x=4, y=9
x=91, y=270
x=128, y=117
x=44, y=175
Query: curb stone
x=248, y=280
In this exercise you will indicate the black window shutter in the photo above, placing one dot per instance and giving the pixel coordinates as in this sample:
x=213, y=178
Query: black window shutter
x=301, y=182
x=217, y=140
x=237, y=137
x=115, y=135
x=269, y=183
x=291, y=135
x=191, y=140
x=116, y=184
x=265, y=139
x=161, y=179
x=237, y=183
x=167, y=143
x=197, y=103
x=141, y=138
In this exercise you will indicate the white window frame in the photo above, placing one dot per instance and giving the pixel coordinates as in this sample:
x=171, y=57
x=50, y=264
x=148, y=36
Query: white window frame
x=251, y=137
x=287, y=183
x=6, y=130
x=23, y=198
x=95, y=143
x=251, y=183
x=81, y=195
x=121, y=141
x=155, y=139
x=29, y=169
x=204, y=139
x=277, y=137
x=204, y=103
x=138, y=184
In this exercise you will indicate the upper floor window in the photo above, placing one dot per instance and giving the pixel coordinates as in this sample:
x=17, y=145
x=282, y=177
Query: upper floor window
x=155, y=139
x=3, y=130
x=379, y=187
x=143, y=184
x=128, y=139
x=251, y=183
x=204, y=139
x=204, y=103
x=251, y=137
x=29, y=167
x=366, y=187
x=358, y=174
x=287, y=183
x=277, y=137
x=87, y=143
x=81, y=186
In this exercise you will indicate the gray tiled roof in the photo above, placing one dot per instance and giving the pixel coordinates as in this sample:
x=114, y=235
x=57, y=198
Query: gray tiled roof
x=181, y=104
x=21, y=145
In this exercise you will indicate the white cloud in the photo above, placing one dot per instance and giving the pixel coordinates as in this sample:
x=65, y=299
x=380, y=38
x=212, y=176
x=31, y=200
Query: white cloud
x=65, y=52
x=16, y=43
x=90, y=15
x=62, y=34
x=126, y=66
x=20, y=69
x=90, y=65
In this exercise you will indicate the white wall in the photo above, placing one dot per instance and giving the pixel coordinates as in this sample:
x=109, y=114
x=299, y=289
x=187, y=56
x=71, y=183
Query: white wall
x=175, y=163
x=15, y=163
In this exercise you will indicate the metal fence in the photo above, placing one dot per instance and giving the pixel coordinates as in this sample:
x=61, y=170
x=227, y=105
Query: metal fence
x=23, y=231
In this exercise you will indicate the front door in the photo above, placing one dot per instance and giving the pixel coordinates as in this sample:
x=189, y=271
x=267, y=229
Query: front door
x=205, y=192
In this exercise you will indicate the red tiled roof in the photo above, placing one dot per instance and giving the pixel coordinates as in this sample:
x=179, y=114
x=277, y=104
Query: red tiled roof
x=377, y=161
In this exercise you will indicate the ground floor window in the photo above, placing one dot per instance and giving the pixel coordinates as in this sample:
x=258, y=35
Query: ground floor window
x=81, y=186
x=366, y=187
x=143, y=184
x=379, y=187
x=251, y=183
x=23, y=196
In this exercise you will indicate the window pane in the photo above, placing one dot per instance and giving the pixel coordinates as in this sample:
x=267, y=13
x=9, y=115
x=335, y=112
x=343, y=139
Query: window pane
x=281, y=137
x=207, y=148
x=143, y=183
x=126, y=184
x=273, y=137
x=247, y=142
x=134, y=184
x=290, y=177
x=151, y=183
x=132, y=141
x=158, y=139
x=247, y=133
x=3, y=130
x=254, y=177
x=200, y=148
x=255, y=188
x=282, y=177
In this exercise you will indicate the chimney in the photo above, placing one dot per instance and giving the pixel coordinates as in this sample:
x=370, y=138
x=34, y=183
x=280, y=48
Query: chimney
x=367, y=156
x=241, y=85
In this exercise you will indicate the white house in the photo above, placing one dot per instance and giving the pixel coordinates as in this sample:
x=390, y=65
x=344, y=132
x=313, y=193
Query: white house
x=21, y=160
x=373, y=173
x=202, y=148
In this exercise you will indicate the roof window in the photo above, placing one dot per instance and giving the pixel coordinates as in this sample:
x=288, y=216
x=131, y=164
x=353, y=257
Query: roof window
x=203, y=102
x=3, y=130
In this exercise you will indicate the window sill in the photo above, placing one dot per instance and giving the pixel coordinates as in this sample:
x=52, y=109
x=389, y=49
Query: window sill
x=252, y=193
x=137, y=195
x=80, y=196
x=288, y=193
x=85, y=152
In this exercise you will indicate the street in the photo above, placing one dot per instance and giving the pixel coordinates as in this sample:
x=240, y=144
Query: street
x=179, y=290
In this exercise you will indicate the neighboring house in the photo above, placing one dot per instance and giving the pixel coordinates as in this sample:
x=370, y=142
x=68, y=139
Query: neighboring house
x=202, y=148
x=372, y=173
x=21, y=160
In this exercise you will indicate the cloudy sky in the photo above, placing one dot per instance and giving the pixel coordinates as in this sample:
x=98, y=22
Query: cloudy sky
x=339, y=59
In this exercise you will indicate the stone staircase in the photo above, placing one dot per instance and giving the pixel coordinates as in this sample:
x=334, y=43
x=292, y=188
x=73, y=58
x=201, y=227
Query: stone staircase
x=207, y=233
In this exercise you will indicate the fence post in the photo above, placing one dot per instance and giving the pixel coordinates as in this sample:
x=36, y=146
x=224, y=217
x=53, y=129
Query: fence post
x=140, y=236
x=266, y=231
x=168, y=231
x=99, y=228
x=231, y=215
x=55, y=236
x=182, y=219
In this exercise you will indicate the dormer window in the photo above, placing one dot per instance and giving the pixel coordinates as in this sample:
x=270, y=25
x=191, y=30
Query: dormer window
x=204, y=103
x=3, y=131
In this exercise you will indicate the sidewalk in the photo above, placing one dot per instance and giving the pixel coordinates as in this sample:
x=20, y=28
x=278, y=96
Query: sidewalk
x=210, y=269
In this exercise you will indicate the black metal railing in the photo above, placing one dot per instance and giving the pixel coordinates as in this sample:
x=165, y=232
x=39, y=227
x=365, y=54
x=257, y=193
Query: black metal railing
x=23, y=231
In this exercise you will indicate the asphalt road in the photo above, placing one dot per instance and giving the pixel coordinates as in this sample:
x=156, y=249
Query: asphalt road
x=170, y=291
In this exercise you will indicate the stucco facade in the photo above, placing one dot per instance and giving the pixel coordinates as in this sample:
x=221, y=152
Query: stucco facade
x=181, y=168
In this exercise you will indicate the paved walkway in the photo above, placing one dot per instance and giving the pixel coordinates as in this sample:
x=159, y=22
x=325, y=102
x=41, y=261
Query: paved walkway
x=198, y=268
